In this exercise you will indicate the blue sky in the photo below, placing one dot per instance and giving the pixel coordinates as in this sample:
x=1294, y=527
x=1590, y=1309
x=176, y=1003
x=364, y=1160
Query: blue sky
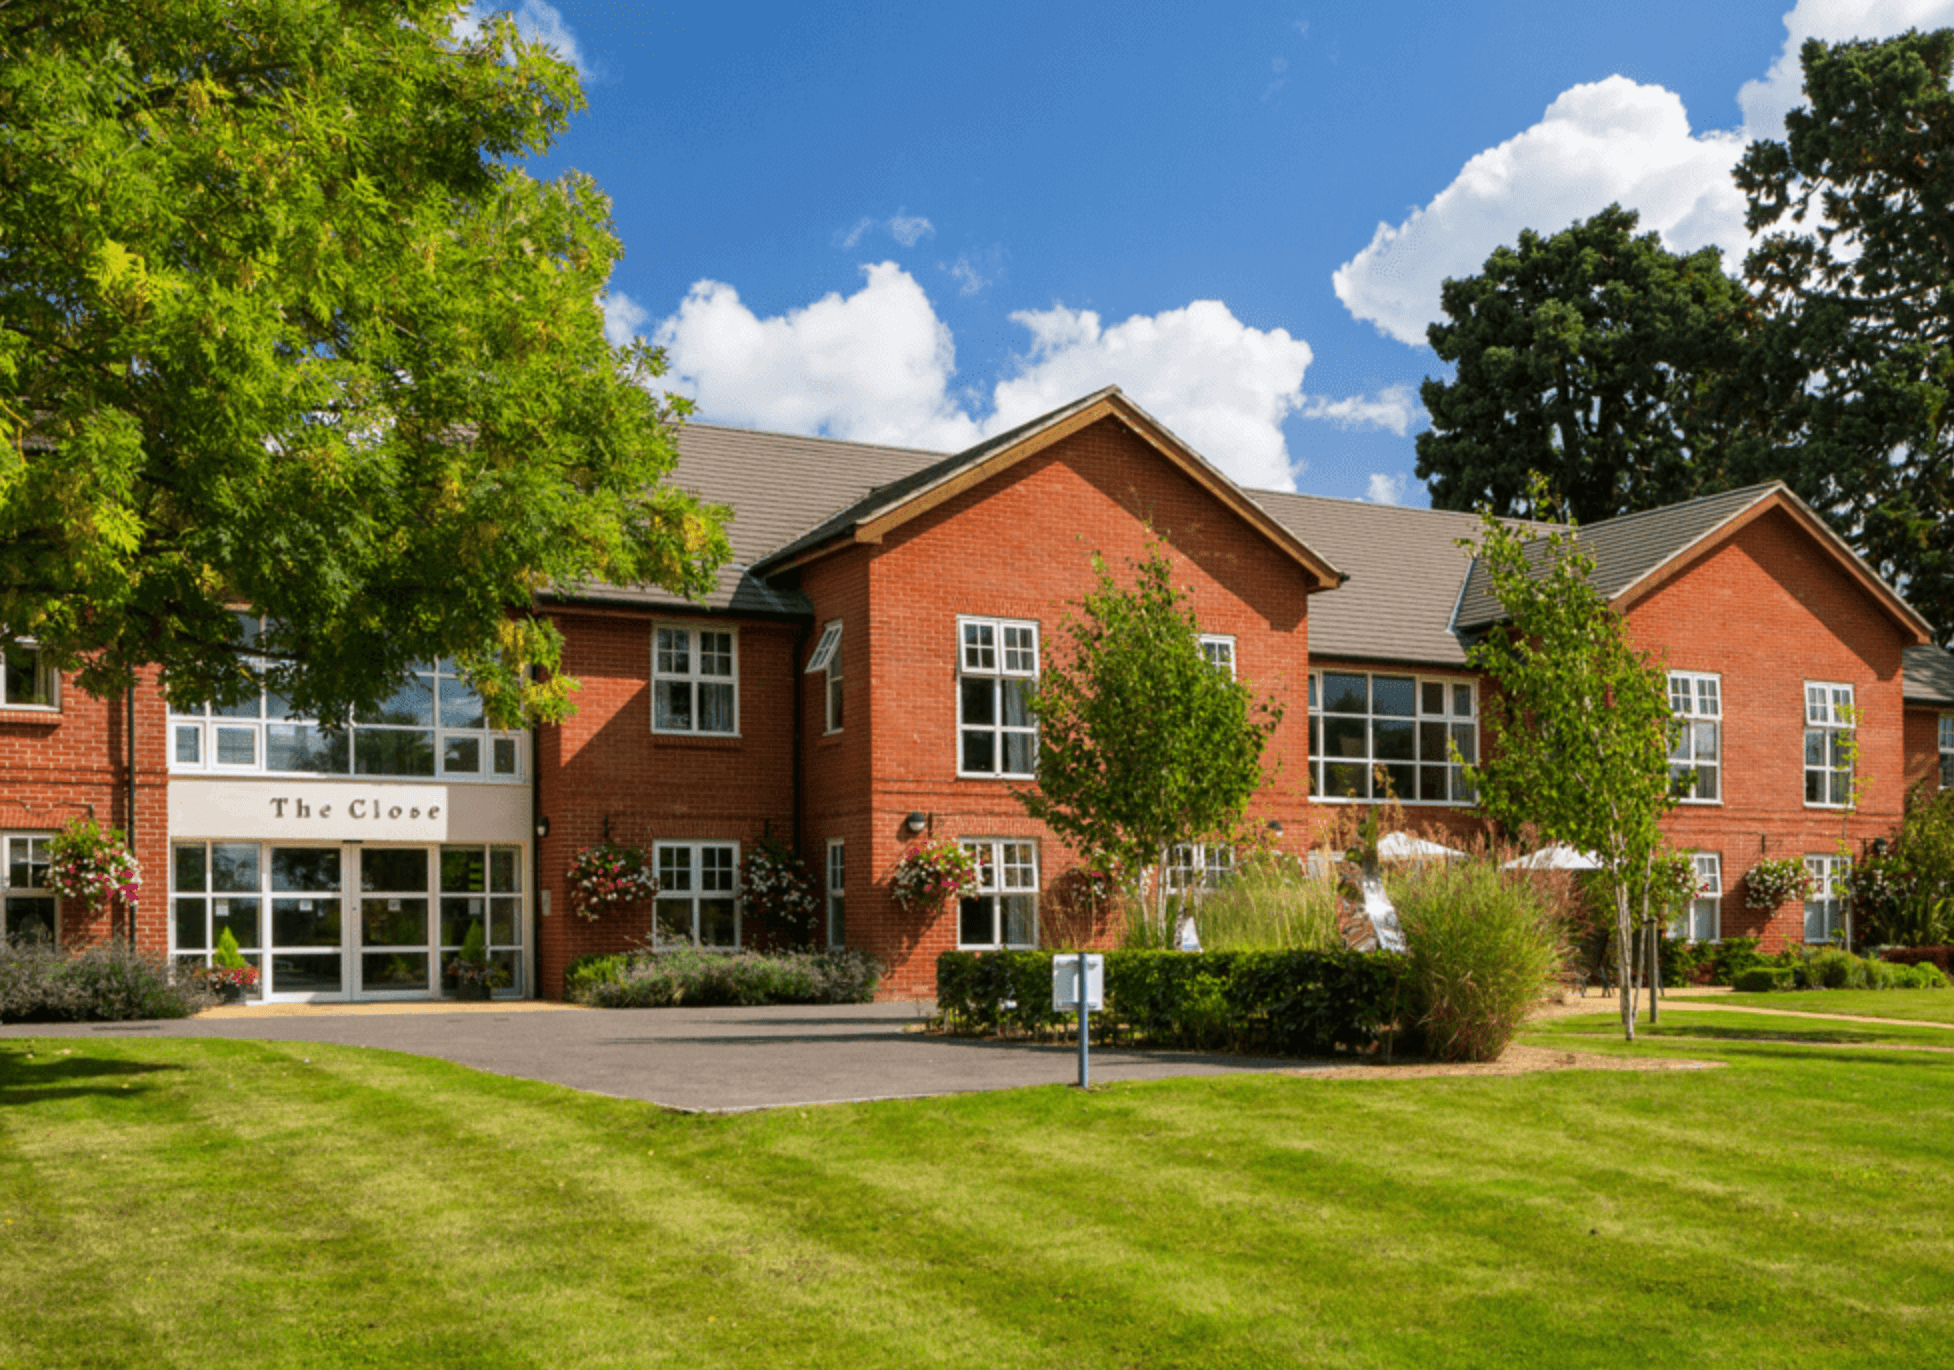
x=921, y=224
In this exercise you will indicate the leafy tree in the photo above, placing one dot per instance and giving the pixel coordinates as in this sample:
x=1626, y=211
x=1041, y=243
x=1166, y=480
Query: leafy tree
x=1592, y=356
x=1856, y=278
x=284, y=323
x=1142, y=744
x=1577, y=722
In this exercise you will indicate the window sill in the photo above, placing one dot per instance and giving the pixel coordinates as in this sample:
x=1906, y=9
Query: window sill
x=1402, y=803
x=995, y=775
x=1699, y=803
x=695, y=739
x=30, y=713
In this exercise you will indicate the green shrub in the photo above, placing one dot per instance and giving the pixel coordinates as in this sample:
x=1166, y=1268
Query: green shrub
x=1763, y=979
x=1288, y=1003
x=708, y=979
x=108, y=982
x=591, y=969
x=1484, y=946
x=1923, y=975
x=1732, y=957
x=1271, y=904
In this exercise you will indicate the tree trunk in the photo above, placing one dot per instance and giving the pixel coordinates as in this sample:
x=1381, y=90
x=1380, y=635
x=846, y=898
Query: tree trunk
x=1625, y=941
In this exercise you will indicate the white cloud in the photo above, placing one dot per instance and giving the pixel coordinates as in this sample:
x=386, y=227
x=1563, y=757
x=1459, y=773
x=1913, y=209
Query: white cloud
x=1394, y=407
x=877, y=366
x=976, y=272
x=907, y=229
x=1384, y=489
x=624, y=318
x=1767, y=100
x=536, y=20
x=1613, y=140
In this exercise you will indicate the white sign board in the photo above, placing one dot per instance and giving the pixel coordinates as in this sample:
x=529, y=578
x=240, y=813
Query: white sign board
x=1065, y=982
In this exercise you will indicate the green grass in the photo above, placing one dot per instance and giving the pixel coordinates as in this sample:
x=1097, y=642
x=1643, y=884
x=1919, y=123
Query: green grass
x=1924, y=1005
x=1735, y=1025
x=201, y=1203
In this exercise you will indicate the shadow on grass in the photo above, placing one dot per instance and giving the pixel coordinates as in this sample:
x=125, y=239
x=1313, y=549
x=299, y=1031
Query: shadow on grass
x=40, y=1076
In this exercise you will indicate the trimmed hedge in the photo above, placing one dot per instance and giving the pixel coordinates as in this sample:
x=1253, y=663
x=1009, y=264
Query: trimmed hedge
x=1763, y=979
x=713, y=979
x=1939, y=957
x=1288, y=1003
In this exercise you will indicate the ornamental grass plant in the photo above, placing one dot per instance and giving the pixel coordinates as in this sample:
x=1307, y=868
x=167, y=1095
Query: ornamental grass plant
x=1272, y=903
x=1485, y=945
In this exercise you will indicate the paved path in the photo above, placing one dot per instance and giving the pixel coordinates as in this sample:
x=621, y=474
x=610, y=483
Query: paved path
x=694, y=1059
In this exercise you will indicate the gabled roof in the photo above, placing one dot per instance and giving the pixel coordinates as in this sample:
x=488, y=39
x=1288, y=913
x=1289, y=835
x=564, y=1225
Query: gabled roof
x=1405, y=572
x=1637, y=553
x=1927, y=675
x=888, y=507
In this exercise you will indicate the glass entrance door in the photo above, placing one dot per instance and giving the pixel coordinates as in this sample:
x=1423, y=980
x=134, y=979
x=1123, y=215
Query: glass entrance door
x=306, y=953
x=393, y=924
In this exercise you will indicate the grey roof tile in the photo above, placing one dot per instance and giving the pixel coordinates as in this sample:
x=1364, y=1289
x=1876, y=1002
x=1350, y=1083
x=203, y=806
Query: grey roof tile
x=1927, y=675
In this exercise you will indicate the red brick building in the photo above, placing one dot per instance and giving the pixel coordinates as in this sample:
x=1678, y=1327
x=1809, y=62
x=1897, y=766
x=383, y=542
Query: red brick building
x=856, y=679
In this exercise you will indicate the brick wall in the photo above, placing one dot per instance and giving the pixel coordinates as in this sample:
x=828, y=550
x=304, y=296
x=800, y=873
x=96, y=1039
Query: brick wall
x=1923, y=747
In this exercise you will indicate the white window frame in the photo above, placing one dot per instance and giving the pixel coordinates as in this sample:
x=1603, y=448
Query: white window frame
x=837, y=893
x=827, y=659
x=1422, y=719
x=727, y=860
x=694, y=676
x=1218, y=650
x=1007, y=868
x=34, y=846
x=1825, y=908
x=47, y=681
x=1702, y=920
x=1199, y=867
x=1827, y=724
x=1010, y=655
x=1696, y=704
x=1947, y=751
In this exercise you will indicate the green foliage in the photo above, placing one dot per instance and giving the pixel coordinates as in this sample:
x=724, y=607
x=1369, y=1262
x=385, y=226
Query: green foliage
x=474, y=946
x=1855, y=356
x=1293, y=1003
x=703, y=979
x=1591, y=356
x=1484, y=946
x=1906, y=898
x=1142, y=744
x=1773, y=880
x=1834, y=968
x=227, y=956
x=1761, y=979
x=1577, y=722
x=592, y=969
x=1271, y=903
x=108, y=982
x=285, y=323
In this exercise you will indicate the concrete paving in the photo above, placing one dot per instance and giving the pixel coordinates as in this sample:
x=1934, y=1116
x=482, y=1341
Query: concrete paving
x=708, y=1060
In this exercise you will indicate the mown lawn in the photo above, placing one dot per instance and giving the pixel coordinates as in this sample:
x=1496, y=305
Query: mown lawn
x=206, y=1203
x=1922, y=1005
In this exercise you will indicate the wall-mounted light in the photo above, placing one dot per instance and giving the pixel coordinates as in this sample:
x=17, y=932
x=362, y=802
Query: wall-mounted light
x=1275, y=827
x=1879, y=846
x=917, y=821
x=542, y=825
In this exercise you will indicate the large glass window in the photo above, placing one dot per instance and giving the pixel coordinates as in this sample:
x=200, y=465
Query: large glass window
x=432, y=726
x=26, y=682
x=837, y=895
x=217, y=887
x=698, y=895
x=695, y=681
x=483, y=885
x=1702, y=920
x=1696, y=736
x=27, y=904
x=997, y=665
x=1199, y=867
x=1378, y=736
x=1828, y=732
x=1003, y=910
x=1825, y=909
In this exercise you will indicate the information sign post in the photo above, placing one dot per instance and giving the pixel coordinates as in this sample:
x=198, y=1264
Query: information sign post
x=1079, y=983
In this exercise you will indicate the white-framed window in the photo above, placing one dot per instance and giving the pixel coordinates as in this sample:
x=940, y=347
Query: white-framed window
x=1947, y=751
x=1371, y=734
x=827, y=658
x=695, y=681
x=1696, y=736
x=433, y=726
x=1003, y=910
x=1218, y=650
x=28, y=908
x=837, y=893
x=997, y=665
x=1198, y=867
x=1828, y=730
x=698, y=895
x=26, y=681
x=1702, y=921
x=1825, y=909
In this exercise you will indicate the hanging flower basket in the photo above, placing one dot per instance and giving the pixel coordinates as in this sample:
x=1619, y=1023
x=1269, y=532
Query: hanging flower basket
x=1674, y=882
x=929, y=874
x=1772, y=882
x=93, y=867
x=610, y=875
x=777, y=890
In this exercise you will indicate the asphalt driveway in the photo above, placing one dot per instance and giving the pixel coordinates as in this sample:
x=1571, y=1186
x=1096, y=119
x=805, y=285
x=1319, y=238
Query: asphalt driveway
x=694, y=1059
